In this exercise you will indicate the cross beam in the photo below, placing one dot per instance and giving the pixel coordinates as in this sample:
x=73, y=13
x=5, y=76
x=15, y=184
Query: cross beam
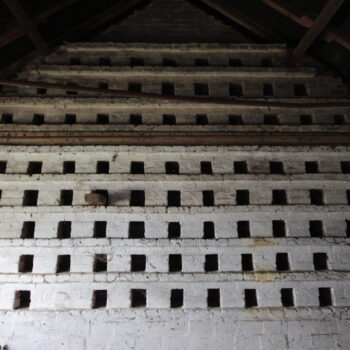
x=28, y=26
x=320, y=23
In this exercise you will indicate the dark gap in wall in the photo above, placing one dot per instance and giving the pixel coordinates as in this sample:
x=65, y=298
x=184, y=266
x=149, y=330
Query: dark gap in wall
x=75, y=61
x=235, y=90
x=100, y=228
x=136, y=229
x=30, y=197
x=168, y=89
x=138, y=263
x=103, y=86
x=176, y=298
x=208, y=198
x=240, y=167
x=311, y=167
x=99, y=299
x=348, y=196
x=137, y=168
x=287, y=297
x=135, y=119
x=271, y=119
x=347, y=222
x=135, y=87
x=213, y=298
x=38, y=119
x=172, y=167
x=345, y=167
x=305, y=119
x=316, y=197
x=208, y=230
x=169, y=119
x=211, y=263
x=299, y=90
x=175, y=263
x=102, y=167
x=242, y=197
x=104, y=61
x=202, y=119
x=279, y=197
x=28, y=229
x=320, y=261
x=276, y=168
x=247, y=262
x=137, y=198
x=102, y=119
x=64, y=229
x=243, y=229
x=266, y=62
x=278, y=228
x=250, y=298
x=68, y=167
x=201, y=62
x=235, y=62
x=174, y=198
x=282, y=262
x=169, y=62
x=174, y=230
x=268, y=89
x=6, y=118
x=22, y=299
x=206, y=168
x=25, y=263
x=316, y=228
x=63, y=264
x=34, y=168
x=339, y=119
x=3, y=165
x=136, y=61
x=201, y=89
x=325, y=296
x=100, y=263
x=70, y=119
x=41, y=91
x=66, y=197
x=235, y=119
x=138, y=297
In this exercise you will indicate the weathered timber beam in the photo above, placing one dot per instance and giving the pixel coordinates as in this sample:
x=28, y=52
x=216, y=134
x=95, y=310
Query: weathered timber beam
x=329, y=33
x=27, y=24
x=16, y=31
x=320, y=23
x=243, y=20
x=190, y=99
x=170, y=138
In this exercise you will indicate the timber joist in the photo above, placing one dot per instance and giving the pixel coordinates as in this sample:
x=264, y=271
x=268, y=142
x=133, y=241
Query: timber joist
x=170, y=138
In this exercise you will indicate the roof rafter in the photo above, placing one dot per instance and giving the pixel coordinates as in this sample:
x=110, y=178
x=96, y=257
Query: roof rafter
x=321, y=21
x=16, y=30
x=329, y=33
x=242, y=20
x=27, y=24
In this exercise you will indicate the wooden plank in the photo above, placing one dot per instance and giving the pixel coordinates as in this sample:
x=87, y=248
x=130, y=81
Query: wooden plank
x=170, y=138
x=27, y=25
x=321, y=21
x=243, y=20
x=16, y=31
x=329, y=33
x=191, y=99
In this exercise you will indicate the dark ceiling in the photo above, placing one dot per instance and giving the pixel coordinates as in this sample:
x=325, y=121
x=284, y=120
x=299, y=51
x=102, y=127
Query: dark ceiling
x=286, y=21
